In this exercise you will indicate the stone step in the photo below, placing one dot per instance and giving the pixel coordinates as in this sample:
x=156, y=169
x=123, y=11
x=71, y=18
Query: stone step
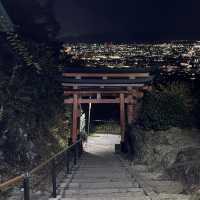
x=116, y=195
x=107, y=198
x=95, y=157
x=101, y=185
x=123, y=172
x=102, y=175
x=100, y=168
x=99, y=163
x=111, y=158
x=101, y=191
x=99, y=180
x=89, y=172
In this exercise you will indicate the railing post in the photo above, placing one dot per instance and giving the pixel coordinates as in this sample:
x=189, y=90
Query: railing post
x=54, y=194
x=27, y=187
x=75, y=154
x=80, y=148
x=67, y=161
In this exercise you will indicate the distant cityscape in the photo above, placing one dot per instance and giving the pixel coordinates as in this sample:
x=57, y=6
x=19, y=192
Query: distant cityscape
x=178, y=57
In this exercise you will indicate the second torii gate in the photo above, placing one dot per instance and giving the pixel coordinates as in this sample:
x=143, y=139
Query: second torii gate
x=105, y=86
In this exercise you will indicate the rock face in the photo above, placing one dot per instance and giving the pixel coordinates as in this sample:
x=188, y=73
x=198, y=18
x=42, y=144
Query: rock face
x=161, y=149
x=196, y=196
x=175, y=151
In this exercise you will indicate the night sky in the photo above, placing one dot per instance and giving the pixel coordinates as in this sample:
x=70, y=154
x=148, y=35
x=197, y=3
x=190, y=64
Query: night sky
x=133, y=19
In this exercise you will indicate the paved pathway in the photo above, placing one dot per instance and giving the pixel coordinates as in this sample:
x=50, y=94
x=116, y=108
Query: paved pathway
x=101, y=175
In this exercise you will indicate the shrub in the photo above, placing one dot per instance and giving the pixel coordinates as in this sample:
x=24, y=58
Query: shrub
x=165, y=107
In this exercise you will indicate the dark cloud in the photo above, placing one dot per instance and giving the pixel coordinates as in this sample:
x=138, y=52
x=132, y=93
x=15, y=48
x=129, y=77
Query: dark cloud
x=176, y=18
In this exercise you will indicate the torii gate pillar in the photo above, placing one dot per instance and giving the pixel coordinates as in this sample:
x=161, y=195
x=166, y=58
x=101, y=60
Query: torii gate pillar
x=122, y=117
x=75, y=118
x=130, y=110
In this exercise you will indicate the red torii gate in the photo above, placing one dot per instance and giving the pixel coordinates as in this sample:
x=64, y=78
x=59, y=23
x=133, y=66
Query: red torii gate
x=106, y=86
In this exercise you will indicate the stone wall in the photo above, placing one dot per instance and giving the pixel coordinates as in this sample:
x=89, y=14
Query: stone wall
x=161, y=149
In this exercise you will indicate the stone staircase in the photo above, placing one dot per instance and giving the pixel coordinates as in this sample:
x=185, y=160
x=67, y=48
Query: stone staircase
x=99, y=178
x=103, y=175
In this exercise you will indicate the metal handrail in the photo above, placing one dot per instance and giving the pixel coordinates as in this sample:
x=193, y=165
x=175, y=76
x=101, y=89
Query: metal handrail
x=33, y=171
x=25, y=178
x=11, y=183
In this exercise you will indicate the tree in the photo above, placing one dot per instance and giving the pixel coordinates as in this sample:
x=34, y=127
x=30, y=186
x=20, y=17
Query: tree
x=166, y=106
x=33, y=18
x=30, y=92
